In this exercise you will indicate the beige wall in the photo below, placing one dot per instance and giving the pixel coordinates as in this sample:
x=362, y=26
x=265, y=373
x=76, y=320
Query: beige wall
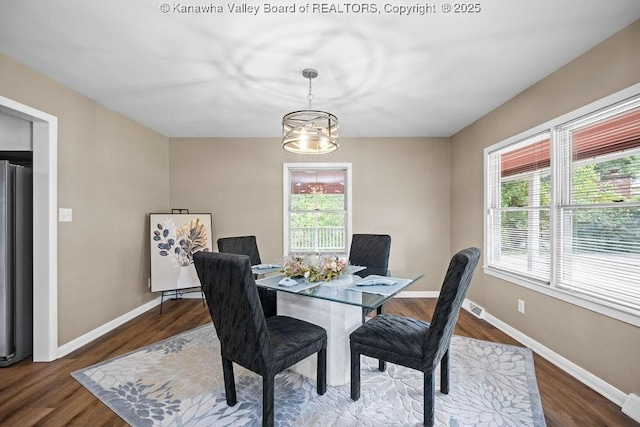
x=111, y=172
x=601, y=345
x=400, y=187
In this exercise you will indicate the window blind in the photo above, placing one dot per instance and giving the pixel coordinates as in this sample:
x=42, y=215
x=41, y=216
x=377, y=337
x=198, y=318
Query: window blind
x=598, y=243
x=519, y=213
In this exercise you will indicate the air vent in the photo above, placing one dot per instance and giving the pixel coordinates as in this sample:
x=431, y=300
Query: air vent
x=476, y=309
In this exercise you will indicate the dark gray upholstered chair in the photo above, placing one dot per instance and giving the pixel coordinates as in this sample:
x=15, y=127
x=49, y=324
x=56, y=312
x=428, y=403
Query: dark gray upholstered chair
x=371, y=251
x=247, y=245
x=265, y=346
x=414, y=343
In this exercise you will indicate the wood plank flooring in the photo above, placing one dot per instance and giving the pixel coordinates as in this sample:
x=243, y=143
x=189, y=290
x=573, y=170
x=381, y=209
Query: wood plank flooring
x=45, y=394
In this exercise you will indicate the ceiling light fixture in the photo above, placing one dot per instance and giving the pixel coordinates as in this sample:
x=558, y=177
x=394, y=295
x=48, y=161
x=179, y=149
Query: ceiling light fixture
x=310, y=131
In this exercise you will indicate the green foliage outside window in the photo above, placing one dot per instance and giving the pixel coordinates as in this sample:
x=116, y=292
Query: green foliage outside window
x=327, y=209
x=616, y=229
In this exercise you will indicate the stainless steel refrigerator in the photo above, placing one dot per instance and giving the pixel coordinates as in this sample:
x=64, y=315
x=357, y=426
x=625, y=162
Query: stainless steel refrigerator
x=16, y=262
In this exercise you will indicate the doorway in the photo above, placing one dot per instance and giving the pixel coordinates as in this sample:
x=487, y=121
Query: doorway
x=45, y=251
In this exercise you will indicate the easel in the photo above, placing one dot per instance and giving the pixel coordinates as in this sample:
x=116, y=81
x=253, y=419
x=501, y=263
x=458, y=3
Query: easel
x=177, y=293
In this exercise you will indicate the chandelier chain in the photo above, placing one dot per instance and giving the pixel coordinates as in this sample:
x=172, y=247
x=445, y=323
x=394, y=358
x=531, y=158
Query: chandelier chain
x=310, y=96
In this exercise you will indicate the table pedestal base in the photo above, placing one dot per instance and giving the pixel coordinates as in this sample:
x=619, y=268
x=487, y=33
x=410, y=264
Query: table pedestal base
x=338, y=319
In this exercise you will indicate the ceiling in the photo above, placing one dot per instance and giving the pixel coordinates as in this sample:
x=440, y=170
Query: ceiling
x=236, y=74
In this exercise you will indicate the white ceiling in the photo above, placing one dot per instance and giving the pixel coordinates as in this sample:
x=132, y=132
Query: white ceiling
x=237, y=74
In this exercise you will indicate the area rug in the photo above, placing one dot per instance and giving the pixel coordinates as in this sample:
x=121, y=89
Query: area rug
x=178, y=382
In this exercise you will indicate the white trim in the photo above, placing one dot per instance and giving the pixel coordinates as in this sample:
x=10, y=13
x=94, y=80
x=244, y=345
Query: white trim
x=614, y=98
x=587, y=378
x=85, y=339
x=418, y=294
x=582, y=301
x=45, y=227
x=604, y=388
x=603, y=307
x=632, y=407
x=286, y=190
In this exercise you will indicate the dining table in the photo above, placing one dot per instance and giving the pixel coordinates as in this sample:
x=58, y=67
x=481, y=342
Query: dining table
x=339, y=306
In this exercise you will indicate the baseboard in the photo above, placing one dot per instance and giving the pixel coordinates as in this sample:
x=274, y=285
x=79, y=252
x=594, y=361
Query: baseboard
x=473, y=308
x=607, y=390
x=632, y=407
x=85, y=339
x=418, y=294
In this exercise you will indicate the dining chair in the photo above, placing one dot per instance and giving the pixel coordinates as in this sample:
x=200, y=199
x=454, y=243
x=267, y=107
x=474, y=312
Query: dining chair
x=262, y=345
x=371, y=251
x=247, y=245
x=414, y=343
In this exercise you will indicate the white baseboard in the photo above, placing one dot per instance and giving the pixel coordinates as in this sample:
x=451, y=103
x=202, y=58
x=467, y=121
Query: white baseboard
x=607, y=390
x=85, y=339
x=632, y=407
x=418, y=294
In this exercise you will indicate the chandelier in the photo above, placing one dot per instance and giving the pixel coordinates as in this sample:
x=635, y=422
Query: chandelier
x=310, y=131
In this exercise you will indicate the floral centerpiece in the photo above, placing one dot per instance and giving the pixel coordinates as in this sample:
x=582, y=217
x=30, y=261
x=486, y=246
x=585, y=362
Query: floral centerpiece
x=315, y=268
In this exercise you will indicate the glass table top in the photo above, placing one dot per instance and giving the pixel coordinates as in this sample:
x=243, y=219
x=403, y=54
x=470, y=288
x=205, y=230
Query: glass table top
x=369, y=288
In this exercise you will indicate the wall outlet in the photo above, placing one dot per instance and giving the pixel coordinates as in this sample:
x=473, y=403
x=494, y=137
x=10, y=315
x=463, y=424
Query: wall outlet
x=65, y=215
x=521, y=306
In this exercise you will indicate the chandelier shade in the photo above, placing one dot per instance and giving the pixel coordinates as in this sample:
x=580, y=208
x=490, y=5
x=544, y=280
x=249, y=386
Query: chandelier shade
x=310, y=131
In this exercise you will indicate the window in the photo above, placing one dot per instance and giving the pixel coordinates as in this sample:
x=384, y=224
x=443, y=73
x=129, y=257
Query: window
x=317, y=217
x=563, y=209
x=519, y=208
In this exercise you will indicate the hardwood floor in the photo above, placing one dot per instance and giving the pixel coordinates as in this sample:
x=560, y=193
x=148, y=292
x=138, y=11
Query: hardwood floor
x=45, y=394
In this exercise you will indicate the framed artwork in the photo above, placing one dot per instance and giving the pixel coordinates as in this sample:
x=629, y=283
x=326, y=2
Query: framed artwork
x=174, y=239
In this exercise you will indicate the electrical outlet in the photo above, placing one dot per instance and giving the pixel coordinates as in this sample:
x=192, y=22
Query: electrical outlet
x=521, y=306
x=65, y=215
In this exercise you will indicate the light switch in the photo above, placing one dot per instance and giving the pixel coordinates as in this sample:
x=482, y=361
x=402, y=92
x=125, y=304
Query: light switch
x=65, y=215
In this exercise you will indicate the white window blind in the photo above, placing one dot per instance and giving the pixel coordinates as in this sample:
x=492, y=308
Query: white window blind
x=598, y=244
x=519, y=208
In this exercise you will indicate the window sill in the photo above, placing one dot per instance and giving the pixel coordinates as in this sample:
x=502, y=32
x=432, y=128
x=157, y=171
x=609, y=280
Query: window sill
x=580, y=301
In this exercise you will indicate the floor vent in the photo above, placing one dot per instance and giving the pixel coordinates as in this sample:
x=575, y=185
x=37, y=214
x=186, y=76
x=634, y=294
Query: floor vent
x=476, y=309
x=632, y=407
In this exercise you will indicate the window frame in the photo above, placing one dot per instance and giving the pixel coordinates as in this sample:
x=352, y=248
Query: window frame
x=286, y=197
x=606, y=308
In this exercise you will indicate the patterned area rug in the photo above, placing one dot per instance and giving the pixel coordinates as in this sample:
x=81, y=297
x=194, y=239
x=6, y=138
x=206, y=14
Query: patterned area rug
x=178, y=382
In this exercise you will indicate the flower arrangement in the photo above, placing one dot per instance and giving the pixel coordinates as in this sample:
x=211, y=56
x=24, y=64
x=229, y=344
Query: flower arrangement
x=315, y=268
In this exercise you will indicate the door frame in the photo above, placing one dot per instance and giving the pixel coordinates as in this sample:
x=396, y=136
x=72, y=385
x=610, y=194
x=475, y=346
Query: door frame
x=45, y=231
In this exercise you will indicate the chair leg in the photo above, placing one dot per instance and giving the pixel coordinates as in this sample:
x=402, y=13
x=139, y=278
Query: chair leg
x=321, y=375
x=355, y=375
x=229, y=382
x=267, y=401
x=444, y=373
x=382, y=365
x=429, y=398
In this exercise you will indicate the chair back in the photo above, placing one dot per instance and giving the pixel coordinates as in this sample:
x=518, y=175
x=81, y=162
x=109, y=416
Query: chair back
x=234, y=305
x=243, y=245
x=371, y=251
x=445, y=316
